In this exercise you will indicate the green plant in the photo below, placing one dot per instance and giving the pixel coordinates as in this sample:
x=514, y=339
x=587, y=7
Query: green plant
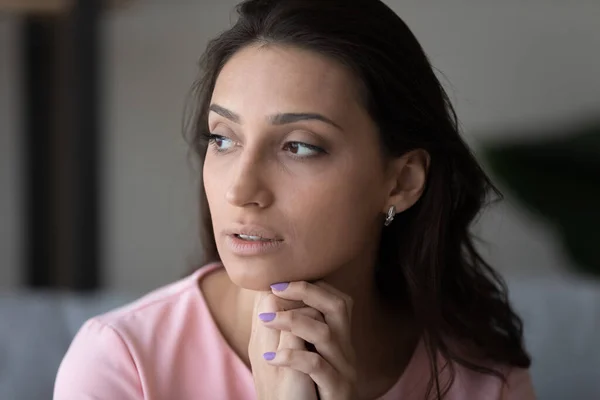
x=559, y=179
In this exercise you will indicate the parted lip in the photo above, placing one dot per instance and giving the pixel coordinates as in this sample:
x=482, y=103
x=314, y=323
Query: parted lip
x=252, y=230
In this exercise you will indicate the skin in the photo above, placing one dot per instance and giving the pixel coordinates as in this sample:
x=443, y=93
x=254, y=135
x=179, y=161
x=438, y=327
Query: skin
x=326, y=204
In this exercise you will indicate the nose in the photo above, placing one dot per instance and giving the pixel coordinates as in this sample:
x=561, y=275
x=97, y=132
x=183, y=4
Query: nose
x=249, y=183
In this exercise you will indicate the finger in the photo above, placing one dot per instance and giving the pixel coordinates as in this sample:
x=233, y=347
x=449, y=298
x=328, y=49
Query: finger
x=335, y=308
x=308, y=325
x=308, y=312
x=321, y=372
x=263, y=339
x=287, y=339
x=347, y=299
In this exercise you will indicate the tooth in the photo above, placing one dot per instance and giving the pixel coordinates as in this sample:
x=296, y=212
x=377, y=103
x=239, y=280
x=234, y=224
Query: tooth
x=248, y=237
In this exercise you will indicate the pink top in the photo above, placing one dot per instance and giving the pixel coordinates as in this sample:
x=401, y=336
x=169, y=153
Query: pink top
x=166, y=345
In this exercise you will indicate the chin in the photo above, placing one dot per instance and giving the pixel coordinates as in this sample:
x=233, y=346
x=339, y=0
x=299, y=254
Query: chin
x=254, y=273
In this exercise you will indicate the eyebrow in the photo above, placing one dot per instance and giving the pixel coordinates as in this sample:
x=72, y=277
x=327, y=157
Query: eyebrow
x=223, y=112
x=277, y=119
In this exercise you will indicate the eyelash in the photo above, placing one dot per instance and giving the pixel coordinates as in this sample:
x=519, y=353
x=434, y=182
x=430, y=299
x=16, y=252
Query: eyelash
x=212, y=140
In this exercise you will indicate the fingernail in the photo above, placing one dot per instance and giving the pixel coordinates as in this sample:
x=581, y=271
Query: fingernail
x=266, y=316
x=269, y=356
x=280, y=286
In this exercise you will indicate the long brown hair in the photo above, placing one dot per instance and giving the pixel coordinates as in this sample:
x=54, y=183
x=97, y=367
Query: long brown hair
x=427, y=258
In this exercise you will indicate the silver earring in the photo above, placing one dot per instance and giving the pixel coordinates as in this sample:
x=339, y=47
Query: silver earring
x=390, y=215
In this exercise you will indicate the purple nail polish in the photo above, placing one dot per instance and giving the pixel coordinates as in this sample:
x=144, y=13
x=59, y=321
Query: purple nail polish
x=267, y=316
x=269, y=356
x=280, y=286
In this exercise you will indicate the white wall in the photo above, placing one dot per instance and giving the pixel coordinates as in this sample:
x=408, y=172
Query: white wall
x=10, y=226
x=513, y=62
x=507, y=64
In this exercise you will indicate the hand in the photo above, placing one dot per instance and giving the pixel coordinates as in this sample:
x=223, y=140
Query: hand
x=273, y=382
x=331, y=367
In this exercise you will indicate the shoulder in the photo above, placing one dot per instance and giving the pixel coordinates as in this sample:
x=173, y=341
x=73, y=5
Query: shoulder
x=471, y=384
x=158, y=309
x=467, y=383
x=112, y=352
x=98, y=364
x=516, y=385
x=183, y=293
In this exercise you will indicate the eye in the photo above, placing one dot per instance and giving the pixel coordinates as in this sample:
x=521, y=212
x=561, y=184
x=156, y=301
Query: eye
x=303, y=150
x=221, y=143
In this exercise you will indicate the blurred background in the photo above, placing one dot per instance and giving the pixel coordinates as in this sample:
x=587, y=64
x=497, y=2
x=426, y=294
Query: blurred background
x=98, y=191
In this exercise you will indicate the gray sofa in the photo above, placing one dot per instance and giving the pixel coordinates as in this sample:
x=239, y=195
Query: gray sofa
x=561, y=313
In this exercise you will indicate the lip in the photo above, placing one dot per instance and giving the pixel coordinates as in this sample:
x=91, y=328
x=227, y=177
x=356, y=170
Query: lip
x=253, y=230
x=252, y=248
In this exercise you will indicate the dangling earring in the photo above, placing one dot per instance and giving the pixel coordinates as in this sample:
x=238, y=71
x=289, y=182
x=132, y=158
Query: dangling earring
x=390, y=215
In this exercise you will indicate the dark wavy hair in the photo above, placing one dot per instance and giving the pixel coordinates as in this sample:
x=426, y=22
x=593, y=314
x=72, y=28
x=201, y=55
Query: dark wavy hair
x=427, y=259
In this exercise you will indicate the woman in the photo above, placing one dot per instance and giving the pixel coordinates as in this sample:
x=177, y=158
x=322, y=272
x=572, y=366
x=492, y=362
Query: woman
x=337, y=201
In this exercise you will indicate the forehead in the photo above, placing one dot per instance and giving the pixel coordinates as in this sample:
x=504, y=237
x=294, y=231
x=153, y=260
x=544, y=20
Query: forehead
x=268, y=79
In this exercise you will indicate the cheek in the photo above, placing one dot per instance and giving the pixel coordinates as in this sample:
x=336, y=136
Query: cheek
x=213, y=186
x=207, y=179
x=335, y=219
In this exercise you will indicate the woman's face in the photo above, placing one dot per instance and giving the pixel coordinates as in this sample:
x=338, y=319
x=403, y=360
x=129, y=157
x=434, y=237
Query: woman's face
x=295, y=168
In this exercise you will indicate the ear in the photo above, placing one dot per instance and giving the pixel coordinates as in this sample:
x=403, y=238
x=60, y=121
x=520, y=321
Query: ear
x=407, y=178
